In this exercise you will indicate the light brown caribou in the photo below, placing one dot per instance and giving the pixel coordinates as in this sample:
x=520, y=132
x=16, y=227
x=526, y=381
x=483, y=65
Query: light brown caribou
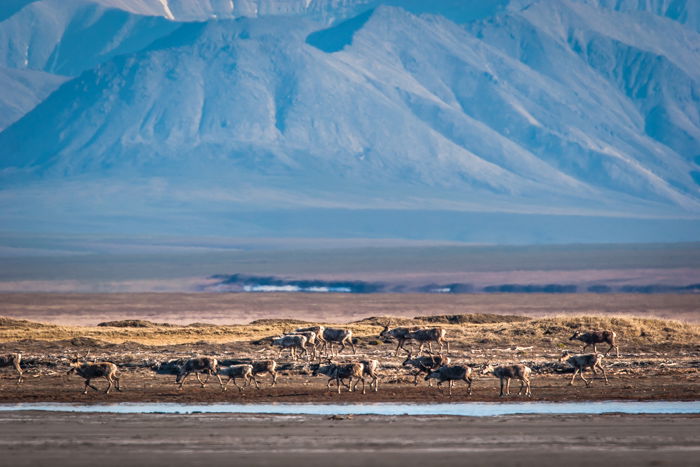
x=581, y=362
x=14, y=360
x=292, y=342
x=428, y=336
x=340, y=372
x=92, y=370
x=597, y=337
x=338, y=336
x=371, y=369
x=234, y=372
x=506, y=373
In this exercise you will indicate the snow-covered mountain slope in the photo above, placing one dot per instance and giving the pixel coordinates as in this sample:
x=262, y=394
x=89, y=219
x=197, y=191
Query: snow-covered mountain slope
x=202, y=10
x=62, y=38
x=686, y=12
x=22, y=90
x=66, y=37
x=658, y=73
x=581, y=107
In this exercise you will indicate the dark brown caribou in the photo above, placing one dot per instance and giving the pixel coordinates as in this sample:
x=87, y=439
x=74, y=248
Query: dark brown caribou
x=452, y=373
x=198, y=365
x=425, y=364
x=265, y=366
x=401, y=334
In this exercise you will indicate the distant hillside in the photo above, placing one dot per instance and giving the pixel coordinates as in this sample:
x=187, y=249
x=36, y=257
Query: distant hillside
x=518, y=122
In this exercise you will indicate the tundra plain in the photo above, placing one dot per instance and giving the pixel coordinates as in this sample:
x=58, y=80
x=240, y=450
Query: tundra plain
x=660, y=358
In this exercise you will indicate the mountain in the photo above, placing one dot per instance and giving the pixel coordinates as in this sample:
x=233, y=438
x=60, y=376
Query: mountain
x=22, y=91
x=44, y=42
x=584, y=108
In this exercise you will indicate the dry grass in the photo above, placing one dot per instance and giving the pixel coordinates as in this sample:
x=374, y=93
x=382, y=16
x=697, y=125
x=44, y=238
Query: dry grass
x=541, y=332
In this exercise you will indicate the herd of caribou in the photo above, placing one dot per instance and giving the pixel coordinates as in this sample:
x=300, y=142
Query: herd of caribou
x=311, y=342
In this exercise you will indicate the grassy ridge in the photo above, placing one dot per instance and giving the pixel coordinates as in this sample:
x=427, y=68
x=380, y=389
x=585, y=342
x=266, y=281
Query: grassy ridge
x=475, y=330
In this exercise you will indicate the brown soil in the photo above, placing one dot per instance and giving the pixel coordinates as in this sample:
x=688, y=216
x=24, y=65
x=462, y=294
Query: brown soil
x=144, y=386
x=656, y=371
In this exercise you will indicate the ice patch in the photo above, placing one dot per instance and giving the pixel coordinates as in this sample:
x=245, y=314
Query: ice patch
x=166, y=9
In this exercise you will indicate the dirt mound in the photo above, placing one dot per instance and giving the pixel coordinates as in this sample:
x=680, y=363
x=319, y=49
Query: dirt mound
x=477, y=318
x=279, y=322
x=132, y=323
x=6, y=322
x=383, y=320
x=85, y=342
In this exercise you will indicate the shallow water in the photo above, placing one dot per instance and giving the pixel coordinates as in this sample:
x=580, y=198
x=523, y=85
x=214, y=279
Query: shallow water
x=470, y=409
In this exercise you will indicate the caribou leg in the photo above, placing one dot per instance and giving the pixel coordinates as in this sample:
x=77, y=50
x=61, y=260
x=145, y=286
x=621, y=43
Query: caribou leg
x=571, y=383
x=19, y=370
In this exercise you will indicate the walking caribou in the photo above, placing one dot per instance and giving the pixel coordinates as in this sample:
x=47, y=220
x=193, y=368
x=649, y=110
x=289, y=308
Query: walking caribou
x=425, y=364
x=581, y=362
x=198, y=365
x=508, y=372
x=340, y=372
x=13, y=359
x=597, y=337
x=451, y=374
x=92, y=370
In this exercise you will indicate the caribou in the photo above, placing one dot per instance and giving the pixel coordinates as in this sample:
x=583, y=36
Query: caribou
x=451, y=374
x=425, y=364
x=340, y=372
x=371, y=369
x=197, y=365
x=339, y=336
x=581, y=362
x=14, y=360
x=597, y=337
x=311, y=340
x=92, y=370
x=265, y=366
x=318, y=330
x=428, y=336
x=239, y=371
x=401, y=335
x=508, y=372
x=291, y=342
